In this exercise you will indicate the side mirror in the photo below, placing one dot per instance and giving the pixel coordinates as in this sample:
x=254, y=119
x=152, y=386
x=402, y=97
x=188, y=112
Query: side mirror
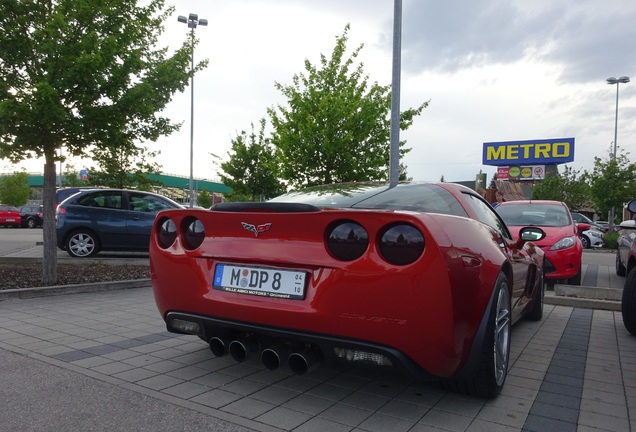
x=628, y=224
x=631, y=206
x=583, y=226
x=531, y=234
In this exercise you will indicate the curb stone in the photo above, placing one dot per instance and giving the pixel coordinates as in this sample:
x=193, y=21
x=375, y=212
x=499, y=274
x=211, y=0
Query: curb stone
x=25, y=293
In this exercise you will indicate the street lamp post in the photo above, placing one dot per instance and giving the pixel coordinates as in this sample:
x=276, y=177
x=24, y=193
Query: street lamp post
x=394, y=152
x=617, y=81
x=192, y=21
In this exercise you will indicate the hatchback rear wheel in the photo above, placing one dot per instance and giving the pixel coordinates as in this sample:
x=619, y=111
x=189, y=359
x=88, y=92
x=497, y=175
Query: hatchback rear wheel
x=82, y=244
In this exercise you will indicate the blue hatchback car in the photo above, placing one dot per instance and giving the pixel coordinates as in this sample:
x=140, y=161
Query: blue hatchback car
x=108, y=220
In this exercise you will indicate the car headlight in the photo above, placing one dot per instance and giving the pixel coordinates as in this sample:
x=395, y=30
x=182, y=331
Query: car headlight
x=595, y=234
x=564, y=243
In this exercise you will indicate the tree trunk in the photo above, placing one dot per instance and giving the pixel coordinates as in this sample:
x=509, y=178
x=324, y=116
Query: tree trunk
x=49, y=257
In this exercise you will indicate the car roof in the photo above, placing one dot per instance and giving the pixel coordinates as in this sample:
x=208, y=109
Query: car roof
x=93, y=190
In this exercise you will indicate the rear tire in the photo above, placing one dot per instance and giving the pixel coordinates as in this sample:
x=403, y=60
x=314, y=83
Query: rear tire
x=620, y=268
x=628, y=304
x=31, y=223
x=82, y=244
x=495, y=351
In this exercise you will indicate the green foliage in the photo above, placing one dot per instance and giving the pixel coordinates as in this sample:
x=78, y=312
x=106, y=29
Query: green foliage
x=336, y=126
x=124, y=167
x=611, y=240
x=570, y=187
x=612, y=182
x=233, y=196
x=80, y=73
x=251, y=171
x=204, y=199
x=15, y=189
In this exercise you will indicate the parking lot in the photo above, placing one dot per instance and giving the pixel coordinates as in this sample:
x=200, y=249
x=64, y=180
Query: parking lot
x=103, y=361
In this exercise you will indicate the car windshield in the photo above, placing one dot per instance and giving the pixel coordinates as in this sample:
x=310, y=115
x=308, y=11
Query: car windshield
x=420, y=197
x=534, y=214
x=8, y=208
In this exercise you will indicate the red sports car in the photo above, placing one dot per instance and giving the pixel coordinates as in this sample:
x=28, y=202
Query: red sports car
x=9, y=216
x=562, y=245
x=422, y=277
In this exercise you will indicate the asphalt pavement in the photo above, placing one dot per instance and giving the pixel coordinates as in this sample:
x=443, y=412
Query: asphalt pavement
x=102, y=361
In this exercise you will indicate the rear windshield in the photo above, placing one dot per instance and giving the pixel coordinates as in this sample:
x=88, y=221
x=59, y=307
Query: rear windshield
x=534, y=214
x=419, y=197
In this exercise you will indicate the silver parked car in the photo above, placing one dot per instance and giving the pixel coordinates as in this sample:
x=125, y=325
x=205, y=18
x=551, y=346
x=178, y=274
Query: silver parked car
x=626, y=237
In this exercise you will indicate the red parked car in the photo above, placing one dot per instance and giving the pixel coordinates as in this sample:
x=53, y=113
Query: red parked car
x=421, y=277
x=562, y=245
x=9, y=216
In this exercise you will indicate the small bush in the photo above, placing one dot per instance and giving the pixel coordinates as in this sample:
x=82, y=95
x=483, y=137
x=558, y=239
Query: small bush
x=611, y=240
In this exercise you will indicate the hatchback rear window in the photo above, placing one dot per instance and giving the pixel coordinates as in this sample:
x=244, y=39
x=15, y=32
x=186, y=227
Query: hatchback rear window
x=534, y=214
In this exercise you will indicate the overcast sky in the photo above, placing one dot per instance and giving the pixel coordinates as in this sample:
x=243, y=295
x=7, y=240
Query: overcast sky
x=493, y=71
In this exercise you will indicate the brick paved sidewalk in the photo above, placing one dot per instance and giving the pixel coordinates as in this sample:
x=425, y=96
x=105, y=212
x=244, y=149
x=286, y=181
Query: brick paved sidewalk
x=574, y=370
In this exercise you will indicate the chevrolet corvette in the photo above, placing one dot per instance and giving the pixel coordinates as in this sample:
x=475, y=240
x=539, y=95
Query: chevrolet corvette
x=424, y=278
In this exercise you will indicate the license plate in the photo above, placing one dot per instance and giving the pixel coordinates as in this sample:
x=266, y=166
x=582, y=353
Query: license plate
x=264, y=282
x=10, y=220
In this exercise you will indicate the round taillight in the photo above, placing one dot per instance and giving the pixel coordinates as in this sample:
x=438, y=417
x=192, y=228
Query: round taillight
x=401, y=244
x=167, y=233
x=194, y=233
x=347, y=240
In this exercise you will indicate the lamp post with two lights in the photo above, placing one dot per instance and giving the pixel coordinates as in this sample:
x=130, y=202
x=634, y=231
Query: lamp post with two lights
x=617, y=81
x=192, y=21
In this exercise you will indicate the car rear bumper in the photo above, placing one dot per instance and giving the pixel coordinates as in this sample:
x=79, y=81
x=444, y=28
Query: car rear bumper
x=319, y=347
x=260, y=341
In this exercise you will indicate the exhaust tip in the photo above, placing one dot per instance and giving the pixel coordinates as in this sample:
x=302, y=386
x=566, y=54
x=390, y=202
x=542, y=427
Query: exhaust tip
x=301, y=363
x=270, y=359
x=240, y=350
x=274, y=357
x=218, y=346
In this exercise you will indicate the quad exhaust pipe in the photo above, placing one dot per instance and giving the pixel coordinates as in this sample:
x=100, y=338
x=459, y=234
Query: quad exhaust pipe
x=272, y=358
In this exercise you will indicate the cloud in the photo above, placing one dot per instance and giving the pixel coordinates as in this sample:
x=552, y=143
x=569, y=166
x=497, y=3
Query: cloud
x=585, y=39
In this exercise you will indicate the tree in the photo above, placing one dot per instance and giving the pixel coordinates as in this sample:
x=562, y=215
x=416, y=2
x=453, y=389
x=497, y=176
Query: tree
x=81, y=74
x=336, y=126
x=15, y=189
x=124, y=167
x=612, y=182
x=570, y=187
x=251, y=171
x=204, y=199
